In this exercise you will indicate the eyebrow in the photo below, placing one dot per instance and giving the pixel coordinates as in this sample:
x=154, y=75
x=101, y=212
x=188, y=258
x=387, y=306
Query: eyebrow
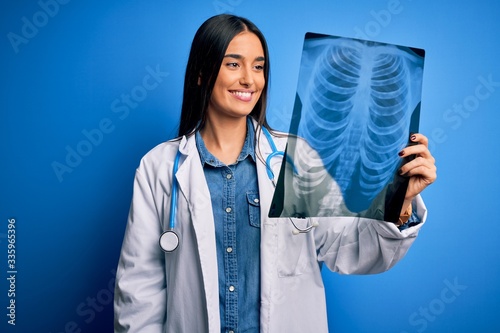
x=239, y=56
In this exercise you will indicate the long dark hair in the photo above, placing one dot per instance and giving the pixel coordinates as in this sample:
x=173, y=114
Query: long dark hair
x=205, y=58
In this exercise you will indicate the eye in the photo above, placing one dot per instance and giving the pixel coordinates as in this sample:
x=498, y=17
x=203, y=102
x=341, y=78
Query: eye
x=259, y=67
x=232, y=64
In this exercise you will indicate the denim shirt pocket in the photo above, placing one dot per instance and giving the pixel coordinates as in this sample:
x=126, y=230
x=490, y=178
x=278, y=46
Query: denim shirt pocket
x=253, y=208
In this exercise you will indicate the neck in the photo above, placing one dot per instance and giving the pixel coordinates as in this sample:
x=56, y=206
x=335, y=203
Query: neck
x=225, y=139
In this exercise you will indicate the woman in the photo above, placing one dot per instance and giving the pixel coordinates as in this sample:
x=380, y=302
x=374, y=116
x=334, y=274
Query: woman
x=235, y=269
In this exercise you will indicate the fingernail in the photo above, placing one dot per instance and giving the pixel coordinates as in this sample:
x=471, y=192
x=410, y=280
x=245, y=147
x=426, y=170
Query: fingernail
x=413, y=137
x=401, y=153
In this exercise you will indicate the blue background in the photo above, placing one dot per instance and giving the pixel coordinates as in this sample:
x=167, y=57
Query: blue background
x=68, y=75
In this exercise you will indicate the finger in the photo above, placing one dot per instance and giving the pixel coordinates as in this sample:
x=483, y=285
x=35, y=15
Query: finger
x=423, y=172
x=419, y=150
x=420, y=138
x=418, y=163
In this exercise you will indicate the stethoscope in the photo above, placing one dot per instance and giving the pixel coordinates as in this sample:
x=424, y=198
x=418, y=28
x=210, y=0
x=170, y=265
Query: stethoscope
x=169, y=240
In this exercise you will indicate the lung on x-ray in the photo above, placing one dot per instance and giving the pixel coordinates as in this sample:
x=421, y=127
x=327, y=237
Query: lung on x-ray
x=356, y=105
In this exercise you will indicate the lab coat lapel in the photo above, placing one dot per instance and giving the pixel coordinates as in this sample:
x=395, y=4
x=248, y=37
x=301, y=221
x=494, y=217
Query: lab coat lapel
x=269, y=229
x=193, y=186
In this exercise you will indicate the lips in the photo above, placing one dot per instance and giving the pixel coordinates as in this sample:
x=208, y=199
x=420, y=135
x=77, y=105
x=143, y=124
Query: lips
x=245, y=96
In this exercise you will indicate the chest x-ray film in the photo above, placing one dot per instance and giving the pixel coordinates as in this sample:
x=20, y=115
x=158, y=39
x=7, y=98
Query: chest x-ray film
x=357, y=102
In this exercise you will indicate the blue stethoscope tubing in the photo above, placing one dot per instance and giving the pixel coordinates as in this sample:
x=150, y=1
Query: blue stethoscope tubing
x=169, y=240
x=275, y=152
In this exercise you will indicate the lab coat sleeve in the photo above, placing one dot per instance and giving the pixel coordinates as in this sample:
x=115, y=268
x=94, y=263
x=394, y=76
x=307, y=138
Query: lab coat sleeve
x=355, y=245
x=140, y=292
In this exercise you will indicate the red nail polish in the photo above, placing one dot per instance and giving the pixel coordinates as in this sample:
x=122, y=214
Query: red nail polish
x=413, y=137
x=401, y=153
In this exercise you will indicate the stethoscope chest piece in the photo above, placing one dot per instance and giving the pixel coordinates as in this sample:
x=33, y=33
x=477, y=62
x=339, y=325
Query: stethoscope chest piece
x=169, y=241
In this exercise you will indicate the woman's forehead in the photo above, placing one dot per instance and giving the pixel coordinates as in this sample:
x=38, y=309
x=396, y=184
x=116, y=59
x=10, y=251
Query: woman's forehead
x=245, y=44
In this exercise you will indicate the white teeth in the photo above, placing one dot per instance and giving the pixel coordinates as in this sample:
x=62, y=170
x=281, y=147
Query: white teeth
x=242, y=94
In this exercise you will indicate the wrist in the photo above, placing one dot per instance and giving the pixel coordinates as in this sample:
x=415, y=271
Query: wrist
x=405, y=214
x=406, y=204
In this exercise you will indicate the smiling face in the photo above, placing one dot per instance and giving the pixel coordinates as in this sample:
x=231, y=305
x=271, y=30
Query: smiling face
x=240, y=80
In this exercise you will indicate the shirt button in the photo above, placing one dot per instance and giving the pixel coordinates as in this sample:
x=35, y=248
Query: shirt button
x=228, y=176
x=256, y=200
x=228, y=210
x=229, y=250
x=231, y=288
x=231, y=331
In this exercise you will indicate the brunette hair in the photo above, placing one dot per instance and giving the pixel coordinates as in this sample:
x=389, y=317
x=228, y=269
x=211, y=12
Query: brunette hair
x=205, y=58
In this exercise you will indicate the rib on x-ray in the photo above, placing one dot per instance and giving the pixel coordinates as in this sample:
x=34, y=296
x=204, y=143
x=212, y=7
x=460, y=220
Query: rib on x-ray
x=357, y=102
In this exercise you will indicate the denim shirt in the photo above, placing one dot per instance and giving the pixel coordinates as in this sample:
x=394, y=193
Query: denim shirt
x=234, y=194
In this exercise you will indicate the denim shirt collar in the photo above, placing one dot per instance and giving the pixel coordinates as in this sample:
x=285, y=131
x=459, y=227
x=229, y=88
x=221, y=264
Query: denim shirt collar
x=247, y=150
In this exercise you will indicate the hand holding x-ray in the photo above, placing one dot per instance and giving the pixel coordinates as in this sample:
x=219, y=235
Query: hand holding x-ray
x=420, y=169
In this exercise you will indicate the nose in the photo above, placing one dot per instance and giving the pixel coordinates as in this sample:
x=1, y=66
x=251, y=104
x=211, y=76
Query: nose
x=246, y=78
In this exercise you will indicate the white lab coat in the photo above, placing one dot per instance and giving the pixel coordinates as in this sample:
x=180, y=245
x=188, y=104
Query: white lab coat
x=178, y=292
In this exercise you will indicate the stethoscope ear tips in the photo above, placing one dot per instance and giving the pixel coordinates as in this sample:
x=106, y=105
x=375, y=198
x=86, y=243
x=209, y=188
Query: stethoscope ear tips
x=169, y=241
